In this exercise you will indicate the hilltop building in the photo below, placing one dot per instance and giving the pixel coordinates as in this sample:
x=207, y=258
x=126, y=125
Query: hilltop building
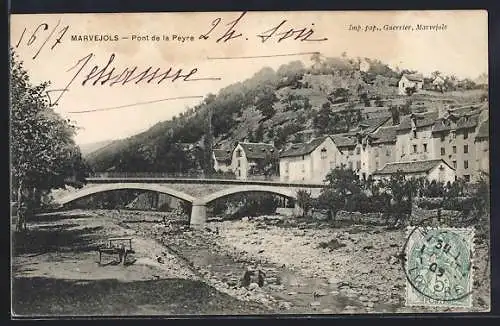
x=410, y=81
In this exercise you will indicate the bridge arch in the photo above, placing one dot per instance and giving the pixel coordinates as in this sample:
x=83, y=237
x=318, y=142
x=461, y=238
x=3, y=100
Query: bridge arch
x=87, y=191
x=287, y=192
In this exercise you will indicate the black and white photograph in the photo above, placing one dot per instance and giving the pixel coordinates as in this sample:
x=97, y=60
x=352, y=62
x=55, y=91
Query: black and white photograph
x=249, y=163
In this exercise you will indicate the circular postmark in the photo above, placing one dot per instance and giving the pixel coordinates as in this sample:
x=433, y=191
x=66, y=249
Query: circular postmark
x=438, y=263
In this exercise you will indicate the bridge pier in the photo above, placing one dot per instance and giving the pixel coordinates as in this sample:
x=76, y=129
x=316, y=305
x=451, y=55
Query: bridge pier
x=198, y=216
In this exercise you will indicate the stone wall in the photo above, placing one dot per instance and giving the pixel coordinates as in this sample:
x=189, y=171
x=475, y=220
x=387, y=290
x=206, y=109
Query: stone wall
x=361, y=218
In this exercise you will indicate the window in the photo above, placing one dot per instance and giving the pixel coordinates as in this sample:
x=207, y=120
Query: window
x=238, y=153
x=453, y=134
x=442, y=138
x=466, y=149
x=414, y=148
x=443, y=152
x=454, y=149
x=286, y=167
x=349, y=164
x=350, y=152
x=358, y=151
x=454, y=164
x=466, y=164
x=403, y=149
x=425, y=148
x=466, y=134
x=303, y=157
x=467, y=177
x=358, y=165
x=376, y=152
x=239, y=163
x=303, y=168
x=376, y=165
x=323, y=153
x=388, y=152
x=414, y=134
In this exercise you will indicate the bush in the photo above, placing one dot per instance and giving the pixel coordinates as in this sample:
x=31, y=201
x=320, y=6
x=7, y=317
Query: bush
x=247, y=204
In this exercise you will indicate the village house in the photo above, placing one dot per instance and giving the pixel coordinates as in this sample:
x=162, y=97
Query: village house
x=365, y=154
x=414, y=137
x=410, y=81
x=379, y=148
x=252, y=158
x=453, y=135
x=433, y=170
x=350, y=154
x=438, y=83
x=364, y=65
x=222, y=160
x=309, y=161
x=483, y=148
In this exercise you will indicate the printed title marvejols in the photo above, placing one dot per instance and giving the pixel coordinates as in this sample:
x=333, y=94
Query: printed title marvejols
x=95, y=38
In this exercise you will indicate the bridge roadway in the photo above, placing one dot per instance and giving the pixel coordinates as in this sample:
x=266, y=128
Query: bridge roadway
x=199, y=192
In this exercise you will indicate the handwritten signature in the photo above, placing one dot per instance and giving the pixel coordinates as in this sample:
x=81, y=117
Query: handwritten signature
x=280, y=32
x=109, y=75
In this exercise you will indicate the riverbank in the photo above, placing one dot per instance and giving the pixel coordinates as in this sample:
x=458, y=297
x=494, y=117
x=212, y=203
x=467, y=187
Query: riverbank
x=310, y=267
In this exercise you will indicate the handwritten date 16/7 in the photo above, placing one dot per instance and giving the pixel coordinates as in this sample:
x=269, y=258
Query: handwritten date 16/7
x=42, y=34
x=278, y=33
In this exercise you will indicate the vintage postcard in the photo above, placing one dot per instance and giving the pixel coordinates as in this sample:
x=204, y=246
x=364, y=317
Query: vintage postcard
x=243, y=163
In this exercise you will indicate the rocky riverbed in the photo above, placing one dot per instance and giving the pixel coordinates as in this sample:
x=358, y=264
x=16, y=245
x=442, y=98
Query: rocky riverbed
x=309, y=266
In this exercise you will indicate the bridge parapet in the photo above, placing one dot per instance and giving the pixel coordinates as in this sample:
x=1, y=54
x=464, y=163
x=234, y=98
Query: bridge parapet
x=200, y=194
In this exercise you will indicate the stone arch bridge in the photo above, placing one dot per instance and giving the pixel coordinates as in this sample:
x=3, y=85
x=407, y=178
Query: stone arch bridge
x=199, y=192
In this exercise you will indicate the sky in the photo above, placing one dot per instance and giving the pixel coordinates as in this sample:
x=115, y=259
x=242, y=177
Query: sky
x=52, y=55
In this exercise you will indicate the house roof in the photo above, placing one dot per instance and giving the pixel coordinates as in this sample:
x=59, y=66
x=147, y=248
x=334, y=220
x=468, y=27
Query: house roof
x=411, y=166
x=455, y=123
x=384, y=135
x=438, y=79
x=222, y=155
x=258, y=150
x=344, y=140
x=374, y=123
x=303, y=148
x=422, y=120
x=484, y=130
x=414, y=77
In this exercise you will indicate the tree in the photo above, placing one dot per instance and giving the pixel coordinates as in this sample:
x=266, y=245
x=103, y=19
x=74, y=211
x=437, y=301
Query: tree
x=410, y=90
x=402, y=192
x=44, y=154
x=343, y=180
x=435, y=74
x=304, y=200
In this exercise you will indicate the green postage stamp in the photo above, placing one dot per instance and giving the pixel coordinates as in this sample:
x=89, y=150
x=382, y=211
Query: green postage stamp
x=438, y=267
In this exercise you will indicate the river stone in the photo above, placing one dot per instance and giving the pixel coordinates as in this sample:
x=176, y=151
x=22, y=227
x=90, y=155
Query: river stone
x=253, y=286
x=320, y=293
x=326, y=310
x=315, y=304
x=284, y=305
x=363, y=298
x=369, y=304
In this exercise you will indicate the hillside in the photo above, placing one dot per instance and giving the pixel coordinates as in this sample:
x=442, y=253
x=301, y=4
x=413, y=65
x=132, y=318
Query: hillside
x=330, y=97
x=87, y=149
